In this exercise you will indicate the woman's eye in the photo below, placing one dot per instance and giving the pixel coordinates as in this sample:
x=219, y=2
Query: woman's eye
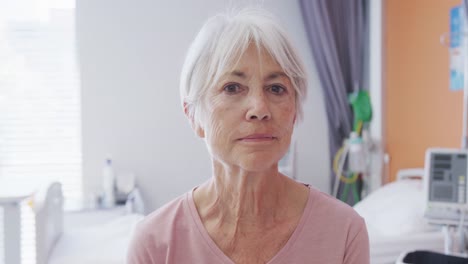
x=277, y=89
x=232, y=88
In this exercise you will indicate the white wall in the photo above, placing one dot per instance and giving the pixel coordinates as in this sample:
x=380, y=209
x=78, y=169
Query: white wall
x=130, y=55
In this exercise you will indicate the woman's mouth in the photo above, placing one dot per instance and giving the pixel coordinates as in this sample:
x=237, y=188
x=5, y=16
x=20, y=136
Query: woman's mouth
x=258, y=138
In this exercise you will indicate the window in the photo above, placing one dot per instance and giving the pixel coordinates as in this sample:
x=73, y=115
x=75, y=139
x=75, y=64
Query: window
x=39, y=102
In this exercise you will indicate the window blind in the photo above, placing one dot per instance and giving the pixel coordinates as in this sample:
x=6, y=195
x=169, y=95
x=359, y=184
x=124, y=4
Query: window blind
x=39, y=105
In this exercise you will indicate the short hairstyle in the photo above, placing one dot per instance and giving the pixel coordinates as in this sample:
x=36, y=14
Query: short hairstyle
x=218, y=47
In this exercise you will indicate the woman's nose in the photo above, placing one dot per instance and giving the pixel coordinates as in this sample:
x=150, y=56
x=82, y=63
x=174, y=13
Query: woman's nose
x=258, y=108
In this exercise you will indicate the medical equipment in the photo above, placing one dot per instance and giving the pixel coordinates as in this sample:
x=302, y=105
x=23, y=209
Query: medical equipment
x=446, y=185
x=351, y=160
x=446, y=194
x=355, y=151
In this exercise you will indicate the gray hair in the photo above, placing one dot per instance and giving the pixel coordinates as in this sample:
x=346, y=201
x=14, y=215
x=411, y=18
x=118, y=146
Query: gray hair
x=219, y=45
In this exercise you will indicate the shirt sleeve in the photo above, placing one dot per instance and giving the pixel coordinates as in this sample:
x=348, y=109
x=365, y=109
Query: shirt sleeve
x=357, y=250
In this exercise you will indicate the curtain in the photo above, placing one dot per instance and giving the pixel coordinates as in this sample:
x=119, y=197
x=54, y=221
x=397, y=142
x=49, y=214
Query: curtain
x=337, y=33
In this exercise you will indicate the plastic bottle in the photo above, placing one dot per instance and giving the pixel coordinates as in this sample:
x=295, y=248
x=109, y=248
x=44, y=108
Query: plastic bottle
x=356, y=160
x=108, y=185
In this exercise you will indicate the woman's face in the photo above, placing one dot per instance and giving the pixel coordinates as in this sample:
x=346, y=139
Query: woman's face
x=250, y=113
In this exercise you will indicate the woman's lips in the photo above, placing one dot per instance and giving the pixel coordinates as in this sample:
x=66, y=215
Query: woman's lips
x=258, y=138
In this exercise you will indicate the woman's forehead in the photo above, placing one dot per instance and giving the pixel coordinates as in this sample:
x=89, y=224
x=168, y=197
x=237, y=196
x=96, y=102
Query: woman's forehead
x=254, y=60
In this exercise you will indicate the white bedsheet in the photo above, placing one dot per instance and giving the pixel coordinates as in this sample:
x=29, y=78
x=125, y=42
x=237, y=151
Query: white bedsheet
x=100, y=244
x=394, y=216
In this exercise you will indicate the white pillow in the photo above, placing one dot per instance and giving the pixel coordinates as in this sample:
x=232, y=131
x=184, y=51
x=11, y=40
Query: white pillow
x=395, y=209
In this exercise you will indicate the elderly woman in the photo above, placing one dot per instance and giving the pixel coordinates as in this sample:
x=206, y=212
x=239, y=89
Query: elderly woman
x=242, y=88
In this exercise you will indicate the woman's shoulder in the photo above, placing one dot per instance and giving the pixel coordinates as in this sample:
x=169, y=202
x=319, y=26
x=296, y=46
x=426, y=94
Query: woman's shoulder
x=157, y=222
x=169, y=210
x=328, y=206
x=331, y=219
x=153, y=234
x=334, y=227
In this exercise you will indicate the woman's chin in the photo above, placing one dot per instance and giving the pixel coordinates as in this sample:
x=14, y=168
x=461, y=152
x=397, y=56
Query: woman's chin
x=258, y=164
x=252, y=161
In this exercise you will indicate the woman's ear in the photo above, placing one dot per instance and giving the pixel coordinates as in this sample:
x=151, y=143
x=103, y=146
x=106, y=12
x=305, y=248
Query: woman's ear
x=195, y=125
x=199, y=131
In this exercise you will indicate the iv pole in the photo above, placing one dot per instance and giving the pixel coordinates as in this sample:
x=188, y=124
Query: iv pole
x=464, y=144
x=462, y=240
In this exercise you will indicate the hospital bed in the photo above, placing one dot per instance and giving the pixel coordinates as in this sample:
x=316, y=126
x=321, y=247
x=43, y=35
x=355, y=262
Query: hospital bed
x=394, y=216
x=103, y=243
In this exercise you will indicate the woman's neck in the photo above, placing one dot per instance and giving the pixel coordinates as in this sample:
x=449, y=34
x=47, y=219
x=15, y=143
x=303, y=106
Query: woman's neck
x=241, y=210
x=249, y=199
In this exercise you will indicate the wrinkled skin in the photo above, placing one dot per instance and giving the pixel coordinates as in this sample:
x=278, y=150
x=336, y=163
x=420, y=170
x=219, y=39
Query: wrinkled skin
x=256, y=97
x=248, y=208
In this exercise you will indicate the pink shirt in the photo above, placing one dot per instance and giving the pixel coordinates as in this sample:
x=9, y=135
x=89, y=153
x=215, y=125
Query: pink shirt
x=329, y=231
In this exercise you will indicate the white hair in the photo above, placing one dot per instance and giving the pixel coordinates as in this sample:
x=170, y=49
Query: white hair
x=219, y=45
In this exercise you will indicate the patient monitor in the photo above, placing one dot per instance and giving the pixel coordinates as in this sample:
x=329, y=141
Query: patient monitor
x=445, y=182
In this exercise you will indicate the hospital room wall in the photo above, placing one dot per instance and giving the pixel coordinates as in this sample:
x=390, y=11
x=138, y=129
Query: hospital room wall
x=130, y=55
x=420, y=110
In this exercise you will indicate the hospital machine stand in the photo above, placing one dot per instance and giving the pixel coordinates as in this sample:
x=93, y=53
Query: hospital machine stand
x=464, y=143
x=465, y=73
x=458, y=248
x=465, y=98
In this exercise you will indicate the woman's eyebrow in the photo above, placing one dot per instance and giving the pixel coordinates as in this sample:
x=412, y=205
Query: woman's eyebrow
x=238, y=74
x=275, y=75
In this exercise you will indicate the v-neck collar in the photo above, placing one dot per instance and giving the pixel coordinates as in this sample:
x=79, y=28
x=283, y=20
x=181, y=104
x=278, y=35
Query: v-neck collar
x=218, y=252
